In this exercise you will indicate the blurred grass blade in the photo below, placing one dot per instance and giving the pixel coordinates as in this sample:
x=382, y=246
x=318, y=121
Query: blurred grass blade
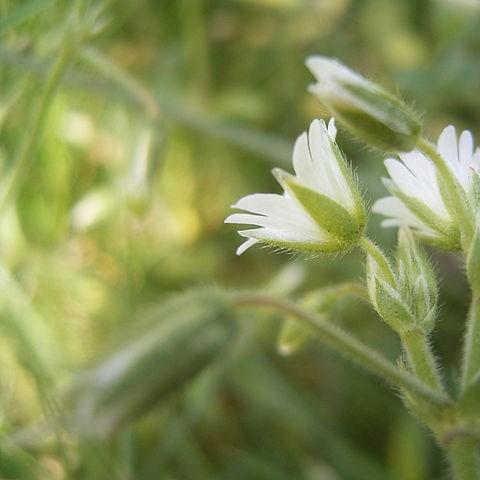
x=188, y=335
x=37, y=346
x=22, y=13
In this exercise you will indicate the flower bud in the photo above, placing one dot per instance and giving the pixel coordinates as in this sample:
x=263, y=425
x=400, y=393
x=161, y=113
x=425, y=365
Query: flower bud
x=180, y=342
x=417, y=281
x=385, y=298
x=367, y=110
x=407, y=297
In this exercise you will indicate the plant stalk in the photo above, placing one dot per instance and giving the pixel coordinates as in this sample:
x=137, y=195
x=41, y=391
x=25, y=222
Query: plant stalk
x=349, y=346
x=463, y=456
x=471, y=347
x=421, y=358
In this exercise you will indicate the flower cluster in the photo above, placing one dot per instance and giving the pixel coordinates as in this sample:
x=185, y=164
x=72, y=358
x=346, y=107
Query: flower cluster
x=321, y=208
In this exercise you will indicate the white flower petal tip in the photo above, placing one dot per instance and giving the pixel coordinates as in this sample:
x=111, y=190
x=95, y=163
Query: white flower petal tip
x=321, y=209
x=367, y=110
x=417, y=201
x=246, y=245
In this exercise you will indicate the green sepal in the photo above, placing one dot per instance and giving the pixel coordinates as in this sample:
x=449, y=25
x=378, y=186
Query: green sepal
x=331, y=217
x=474, y=193
x=416, y=280
x=448, y=235
x=391, y=308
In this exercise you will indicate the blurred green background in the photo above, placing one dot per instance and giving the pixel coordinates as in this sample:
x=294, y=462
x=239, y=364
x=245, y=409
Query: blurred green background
x=164, y=118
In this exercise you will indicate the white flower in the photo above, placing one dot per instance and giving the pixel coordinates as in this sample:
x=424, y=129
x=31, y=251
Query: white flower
x=417, y=202
x=367, y=110
x=321, y=209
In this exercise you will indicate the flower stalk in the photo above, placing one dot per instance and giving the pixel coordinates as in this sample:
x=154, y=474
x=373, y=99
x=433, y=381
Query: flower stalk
x=421, y=359
x=464, y=459
x=349, y=346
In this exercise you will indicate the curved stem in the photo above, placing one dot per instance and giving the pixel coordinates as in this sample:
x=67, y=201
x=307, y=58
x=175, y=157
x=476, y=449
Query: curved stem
x=371, y=248
x=344, y=343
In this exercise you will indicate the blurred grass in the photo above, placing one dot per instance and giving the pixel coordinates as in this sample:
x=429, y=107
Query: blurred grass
x=167, y=116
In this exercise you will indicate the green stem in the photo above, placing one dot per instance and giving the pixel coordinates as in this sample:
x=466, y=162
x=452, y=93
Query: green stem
x=452, y=192
x=371, y=248
x=26, y=154
x=463, y=456
x=421, y=358
x=471, y=346
x=344, y=343
x=324, y=298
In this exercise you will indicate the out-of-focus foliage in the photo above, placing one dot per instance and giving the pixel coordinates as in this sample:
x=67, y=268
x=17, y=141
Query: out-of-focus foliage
x=167, y=115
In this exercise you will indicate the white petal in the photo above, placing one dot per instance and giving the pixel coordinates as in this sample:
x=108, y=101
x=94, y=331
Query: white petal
x=465, y=147
x=403, y=178
x=476, y=158
x=302, y=163
x=419, y=165
x=260, y=220
x=328, y=69
x=399, y=215
x=447, y=146
x=332, y=129
x=246, y=245
x=270, y=204
x=330, y=179
x=270, y=235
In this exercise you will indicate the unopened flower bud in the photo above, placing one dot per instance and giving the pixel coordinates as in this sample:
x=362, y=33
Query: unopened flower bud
x=385, y=298
x=368, y=111
x=183, y=339
x=417, y=281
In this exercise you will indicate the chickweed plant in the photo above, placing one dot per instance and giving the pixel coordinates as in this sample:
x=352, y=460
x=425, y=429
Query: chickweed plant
x=434, y=199
x=87, y=421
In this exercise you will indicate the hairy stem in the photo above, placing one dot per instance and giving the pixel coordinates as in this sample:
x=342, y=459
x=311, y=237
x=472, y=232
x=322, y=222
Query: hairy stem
x=349, y=346
x=471, y=346
x=464, y=461
x=371, y=248
x=451, y=191
x=421, y=358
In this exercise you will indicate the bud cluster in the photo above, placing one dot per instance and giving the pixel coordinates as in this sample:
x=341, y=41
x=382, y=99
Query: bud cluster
x=406, y=297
